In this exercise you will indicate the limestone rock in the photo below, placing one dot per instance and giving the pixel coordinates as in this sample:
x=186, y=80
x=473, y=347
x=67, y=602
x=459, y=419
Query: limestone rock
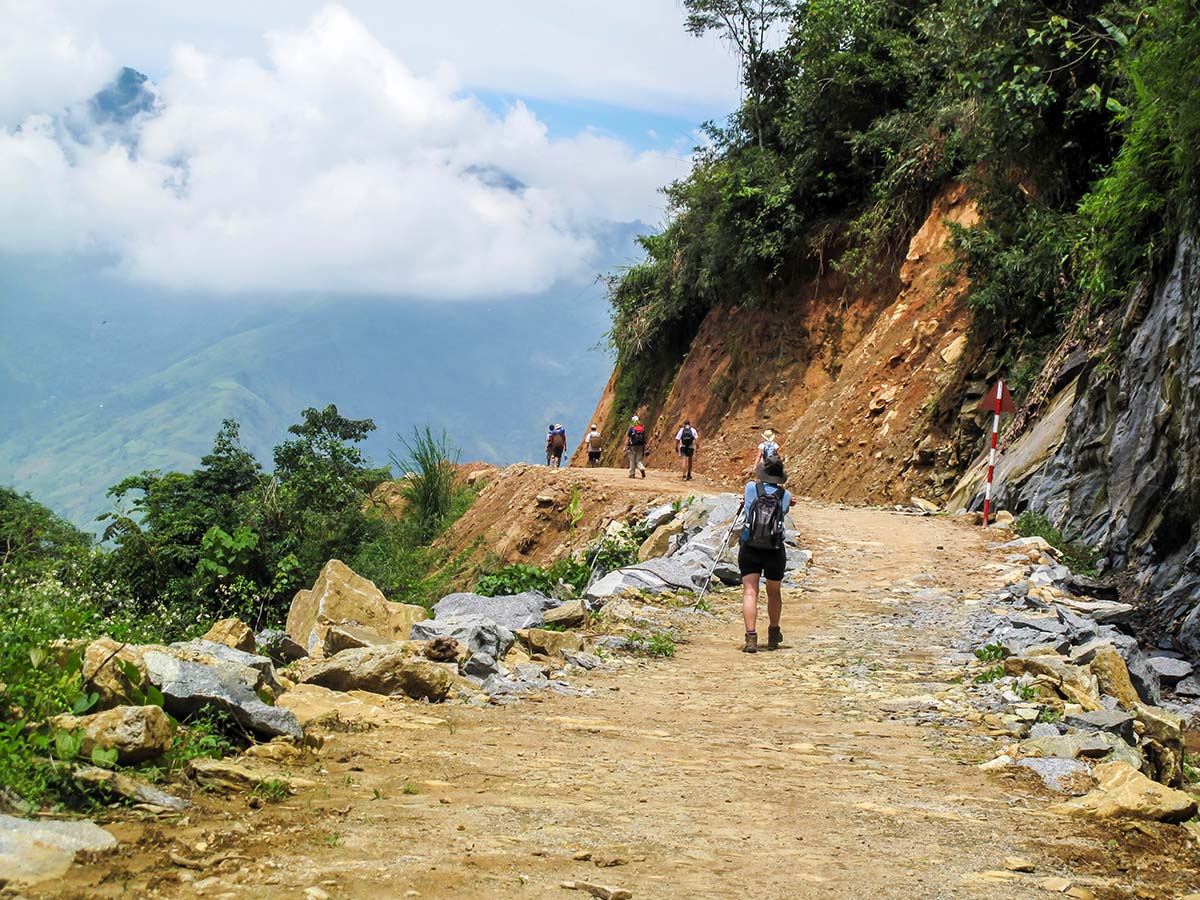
x=1113, y=721
x=1112, y=676
x=569, y=615
x=1170, y=669
x=1125, y=793
x=349, y=637
x=211, y=653
x=131, y=788
x=660, y=540
x=924, y=505
x=230, y=776
x=190, y=681
x=137, y=733
x=485, y=640
x=389, y=669
x=515, y=611
x=660, y=515
x=104, y=673
x=1074, y=683
x=232, y=633
x=1162, y=743
x=311, y=703
x=550, y=643
x=338, y=597
x=37, y=851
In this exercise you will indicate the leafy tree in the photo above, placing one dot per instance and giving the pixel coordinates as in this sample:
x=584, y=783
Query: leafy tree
x=32, y=537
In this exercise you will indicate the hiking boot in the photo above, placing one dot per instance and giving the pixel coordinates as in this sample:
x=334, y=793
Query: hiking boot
x=751, y=642
x=774, y=638
x=643, y=473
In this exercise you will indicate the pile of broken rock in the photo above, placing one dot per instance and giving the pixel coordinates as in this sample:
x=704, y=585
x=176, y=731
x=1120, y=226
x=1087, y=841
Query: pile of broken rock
x=1081, y=697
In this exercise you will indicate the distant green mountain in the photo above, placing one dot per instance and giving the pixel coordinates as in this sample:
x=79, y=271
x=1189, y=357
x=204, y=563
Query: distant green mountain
x=98, y=384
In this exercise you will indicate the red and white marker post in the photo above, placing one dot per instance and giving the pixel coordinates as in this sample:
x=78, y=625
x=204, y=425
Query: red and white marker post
x=1003, y=403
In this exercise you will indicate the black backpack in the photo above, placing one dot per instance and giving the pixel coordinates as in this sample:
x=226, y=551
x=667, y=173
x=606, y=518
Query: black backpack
x=687, y=437
x=637, y=436
x=765, y=519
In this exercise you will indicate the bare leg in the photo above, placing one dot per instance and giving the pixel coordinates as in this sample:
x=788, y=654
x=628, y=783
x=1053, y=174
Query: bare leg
x=750, y=600
x=774, y=602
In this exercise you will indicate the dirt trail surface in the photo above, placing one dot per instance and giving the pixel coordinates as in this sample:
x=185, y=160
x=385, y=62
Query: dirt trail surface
x=714, y=774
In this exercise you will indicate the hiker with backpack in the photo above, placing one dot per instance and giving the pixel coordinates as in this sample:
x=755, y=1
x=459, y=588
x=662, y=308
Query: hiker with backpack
x=762, y=553
x=556, y=443
x=594, y=441
x=768, y=448
x=635, y=447
x=687, y=441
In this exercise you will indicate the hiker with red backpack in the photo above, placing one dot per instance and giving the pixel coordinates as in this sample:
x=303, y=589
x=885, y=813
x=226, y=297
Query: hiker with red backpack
x=635, y=447
x=556, y=444
x=762, y=553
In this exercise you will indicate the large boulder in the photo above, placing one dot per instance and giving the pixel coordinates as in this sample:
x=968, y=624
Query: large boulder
x=339, y=597
x=1161, y=743
x=659, y=541
x=1073, y=683
x=206, y=651
x=115, y=671
x=1112, y=675
x=348, y=637
x=390, y=669
x=191, y=680
x=569, y=615
x=42, y=850
x=513, y=611
x=1125, y=793
x=137, y=733
x=486, y=641
x=232, y=633
x=550, y=643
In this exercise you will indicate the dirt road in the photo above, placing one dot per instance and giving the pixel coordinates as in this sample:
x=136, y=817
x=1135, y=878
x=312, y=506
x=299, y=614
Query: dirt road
x=714, y=774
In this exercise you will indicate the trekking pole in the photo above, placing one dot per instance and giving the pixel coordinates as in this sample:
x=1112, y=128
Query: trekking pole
x=717, y=557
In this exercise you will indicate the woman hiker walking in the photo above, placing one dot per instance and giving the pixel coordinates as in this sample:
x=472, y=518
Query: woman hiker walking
x=762, y=553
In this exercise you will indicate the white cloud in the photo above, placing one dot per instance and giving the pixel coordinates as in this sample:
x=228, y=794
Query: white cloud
x=44, y=64
x=329, y=166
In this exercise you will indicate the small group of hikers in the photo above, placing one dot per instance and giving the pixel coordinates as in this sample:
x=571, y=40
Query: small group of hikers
x=687, y=441
x=762, y=554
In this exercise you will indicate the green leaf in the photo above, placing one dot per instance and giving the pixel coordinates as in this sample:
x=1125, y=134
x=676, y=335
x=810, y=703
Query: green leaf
x=37, y=656
x=84, y=702
x=104, y=757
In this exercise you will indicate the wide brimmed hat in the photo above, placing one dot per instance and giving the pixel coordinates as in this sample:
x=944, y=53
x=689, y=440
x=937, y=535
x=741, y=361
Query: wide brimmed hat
x=773, y=472
x=769, y=435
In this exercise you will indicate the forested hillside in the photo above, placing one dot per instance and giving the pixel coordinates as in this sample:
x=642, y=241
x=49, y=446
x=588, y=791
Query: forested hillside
x=914, y=199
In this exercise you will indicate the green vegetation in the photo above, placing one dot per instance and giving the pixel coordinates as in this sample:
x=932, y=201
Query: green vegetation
x=990, y=653
x=654, y=644
x=188, y=548
x=987, y=676
x=1079, y=559
x=1076, y=123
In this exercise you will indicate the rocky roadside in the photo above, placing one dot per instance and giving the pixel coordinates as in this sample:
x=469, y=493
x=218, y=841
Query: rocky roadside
x=348, y=659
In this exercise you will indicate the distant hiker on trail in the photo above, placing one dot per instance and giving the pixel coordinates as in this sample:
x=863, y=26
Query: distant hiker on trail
x=687, y=441
x=768, y=448
x=762, y=552
x=635, y=447
x=594, y=441
x=556, y=443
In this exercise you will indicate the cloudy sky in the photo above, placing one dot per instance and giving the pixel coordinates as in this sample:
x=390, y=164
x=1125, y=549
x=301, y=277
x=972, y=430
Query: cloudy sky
x=451, y=151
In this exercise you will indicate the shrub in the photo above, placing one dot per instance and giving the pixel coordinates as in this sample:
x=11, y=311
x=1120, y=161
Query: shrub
x=1076, y=557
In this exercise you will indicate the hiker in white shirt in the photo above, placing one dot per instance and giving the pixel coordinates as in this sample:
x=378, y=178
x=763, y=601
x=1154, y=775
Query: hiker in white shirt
x=594, y=441
x=687, y=439
x=768, y=448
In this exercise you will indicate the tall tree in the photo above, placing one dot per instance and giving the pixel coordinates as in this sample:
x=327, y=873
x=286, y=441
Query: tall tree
x=745, y=25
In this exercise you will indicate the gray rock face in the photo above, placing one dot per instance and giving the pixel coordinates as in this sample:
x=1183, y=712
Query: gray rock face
x=1170, y=669
x=1188, y=687
x=225, y=653
x=1112, y=721
x=660, y=515
x=486, y=640
x=513, y=612
x=189, y=684
x=36, y=851
x=1127, y=472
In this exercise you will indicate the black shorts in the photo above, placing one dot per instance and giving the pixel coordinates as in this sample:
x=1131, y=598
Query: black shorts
x=556, y=452
x=685, y=450
x=594, y=455
x=772, y=563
